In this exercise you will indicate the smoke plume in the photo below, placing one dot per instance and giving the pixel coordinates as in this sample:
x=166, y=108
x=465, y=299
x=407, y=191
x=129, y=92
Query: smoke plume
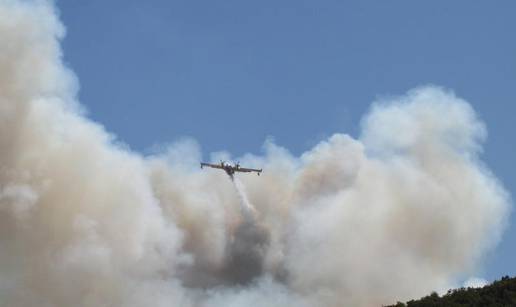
x=406, y=209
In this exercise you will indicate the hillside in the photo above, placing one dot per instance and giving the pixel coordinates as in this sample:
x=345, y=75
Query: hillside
x=499, y=293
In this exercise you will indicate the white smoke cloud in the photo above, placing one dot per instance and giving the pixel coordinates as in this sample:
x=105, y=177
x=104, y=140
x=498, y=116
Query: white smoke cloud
x=406, y=209
x=475, y=282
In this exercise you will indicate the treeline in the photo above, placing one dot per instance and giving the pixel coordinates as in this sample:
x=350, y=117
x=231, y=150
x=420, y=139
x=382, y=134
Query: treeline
x=499, y=293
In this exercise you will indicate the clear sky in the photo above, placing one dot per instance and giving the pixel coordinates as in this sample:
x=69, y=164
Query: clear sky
x=232, y=73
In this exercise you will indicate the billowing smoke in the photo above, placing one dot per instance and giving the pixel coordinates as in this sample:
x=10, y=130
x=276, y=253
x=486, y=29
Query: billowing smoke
x=406, y=209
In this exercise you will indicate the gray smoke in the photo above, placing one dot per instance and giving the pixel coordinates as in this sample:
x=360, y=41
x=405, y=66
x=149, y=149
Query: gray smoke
x=406, y=209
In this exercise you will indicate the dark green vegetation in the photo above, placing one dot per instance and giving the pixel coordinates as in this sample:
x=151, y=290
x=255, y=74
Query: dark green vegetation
x=499, y=293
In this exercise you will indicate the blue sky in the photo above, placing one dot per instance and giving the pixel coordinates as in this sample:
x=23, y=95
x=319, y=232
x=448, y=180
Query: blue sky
x=232, y=73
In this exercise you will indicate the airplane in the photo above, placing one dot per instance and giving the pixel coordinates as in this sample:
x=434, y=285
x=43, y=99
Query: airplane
x=231, y=169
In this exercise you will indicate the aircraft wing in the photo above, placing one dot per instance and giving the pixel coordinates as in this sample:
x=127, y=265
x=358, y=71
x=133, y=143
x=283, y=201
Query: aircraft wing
x=210, y=165
x=247, y=170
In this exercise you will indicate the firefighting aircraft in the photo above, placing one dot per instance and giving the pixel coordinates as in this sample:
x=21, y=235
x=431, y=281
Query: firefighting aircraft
x=231, y=169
